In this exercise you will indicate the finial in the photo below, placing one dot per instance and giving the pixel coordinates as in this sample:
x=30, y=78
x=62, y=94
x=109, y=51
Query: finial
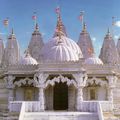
x=108, y=32
x=36, y=27
x=12, y=32
x=84, y=27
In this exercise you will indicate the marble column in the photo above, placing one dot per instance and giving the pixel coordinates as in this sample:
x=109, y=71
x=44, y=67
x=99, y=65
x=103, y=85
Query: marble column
x=79, y=98
x=110, y=94
x=112, y=80
x=11, y=94
x=41, y=99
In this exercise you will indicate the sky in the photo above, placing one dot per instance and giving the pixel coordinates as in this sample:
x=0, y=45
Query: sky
x=98, y=17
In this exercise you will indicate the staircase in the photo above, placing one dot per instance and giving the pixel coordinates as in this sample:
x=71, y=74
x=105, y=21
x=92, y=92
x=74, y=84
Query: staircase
x=88, y=110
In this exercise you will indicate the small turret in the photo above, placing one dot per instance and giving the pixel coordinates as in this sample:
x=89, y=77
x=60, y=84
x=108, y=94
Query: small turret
x=85, y=43
x=109, y=54
x=12, y=52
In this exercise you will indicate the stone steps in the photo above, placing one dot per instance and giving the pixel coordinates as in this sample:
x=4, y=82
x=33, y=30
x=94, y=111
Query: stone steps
x=61, y=116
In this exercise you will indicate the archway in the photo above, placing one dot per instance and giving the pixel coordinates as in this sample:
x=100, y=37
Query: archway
x=60, y=97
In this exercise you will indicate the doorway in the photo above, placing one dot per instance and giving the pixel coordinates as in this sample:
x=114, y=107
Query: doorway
x=60, y=97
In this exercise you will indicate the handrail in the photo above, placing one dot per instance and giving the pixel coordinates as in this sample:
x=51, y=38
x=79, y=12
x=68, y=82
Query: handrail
x=100, y=112
x=22, y=112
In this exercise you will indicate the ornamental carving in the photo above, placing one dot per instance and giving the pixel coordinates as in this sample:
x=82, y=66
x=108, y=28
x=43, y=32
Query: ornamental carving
x=112, y=80
x=81, y=79
x=40, y=79
x=9, y=81
x=62, y=79
x=24, y=82
x=96, y=81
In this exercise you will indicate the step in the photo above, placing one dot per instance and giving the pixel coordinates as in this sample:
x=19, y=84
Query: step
x=61, y=116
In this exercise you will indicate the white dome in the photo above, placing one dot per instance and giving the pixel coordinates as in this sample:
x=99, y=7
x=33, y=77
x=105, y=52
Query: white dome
x=28, y=60
x=60, y=52
x=93, y=60
x=67, y=41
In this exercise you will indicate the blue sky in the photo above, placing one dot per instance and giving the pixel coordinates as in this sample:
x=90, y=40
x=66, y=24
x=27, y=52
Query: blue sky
x=98, y=16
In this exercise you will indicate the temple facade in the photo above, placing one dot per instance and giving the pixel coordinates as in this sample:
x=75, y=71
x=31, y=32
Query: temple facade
x=60, y=79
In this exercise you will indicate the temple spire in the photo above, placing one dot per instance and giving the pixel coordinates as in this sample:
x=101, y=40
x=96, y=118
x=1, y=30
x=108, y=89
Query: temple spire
x=60, y=28
x=85, y=43
x=36, y=43
x=109, y=53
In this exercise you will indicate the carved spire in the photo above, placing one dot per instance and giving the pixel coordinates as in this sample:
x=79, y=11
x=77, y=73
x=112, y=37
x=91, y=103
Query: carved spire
x=60, y=28
x=85, y=43
x=36, y=43
x=109, y=54
x=12, y=51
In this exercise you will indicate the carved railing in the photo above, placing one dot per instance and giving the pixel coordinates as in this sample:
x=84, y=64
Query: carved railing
x=15, y=106
x=32, y=106
x=88, y=106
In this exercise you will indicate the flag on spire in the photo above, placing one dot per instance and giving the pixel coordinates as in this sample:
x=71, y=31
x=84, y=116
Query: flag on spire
x=57, y=10
x=6, y=22
x=81, y=16
x=34, y=17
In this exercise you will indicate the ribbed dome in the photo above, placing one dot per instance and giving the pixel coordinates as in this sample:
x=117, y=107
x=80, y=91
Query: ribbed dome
x=28, y=60
x=60, y=52
x=93, y=60
x=67, y=41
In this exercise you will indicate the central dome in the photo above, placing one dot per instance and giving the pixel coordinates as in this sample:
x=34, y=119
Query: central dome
x=61, y=49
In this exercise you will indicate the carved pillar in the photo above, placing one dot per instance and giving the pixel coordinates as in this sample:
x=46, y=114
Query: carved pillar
x=40, y=79
x=41, y=98
x=111, y=85
x=10, y=86
x=11, y=94
x=81, y=82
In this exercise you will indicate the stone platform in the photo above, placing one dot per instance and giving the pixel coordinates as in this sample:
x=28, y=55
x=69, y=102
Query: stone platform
x=60, y=115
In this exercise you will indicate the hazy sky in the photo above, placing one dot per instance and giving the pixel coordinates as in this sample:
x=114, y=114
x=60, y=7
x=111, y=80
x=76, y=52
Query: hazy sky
x=98, y=16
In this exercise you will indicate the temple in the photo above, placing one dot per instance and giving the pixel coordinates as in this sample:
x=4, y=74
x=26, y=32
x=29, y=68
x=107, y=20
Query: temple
x=60, y=79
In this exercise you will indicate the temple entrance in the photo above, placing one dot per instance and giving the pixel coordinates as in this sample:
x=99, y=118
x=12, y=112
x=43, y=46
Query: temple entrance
x=60, y=100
